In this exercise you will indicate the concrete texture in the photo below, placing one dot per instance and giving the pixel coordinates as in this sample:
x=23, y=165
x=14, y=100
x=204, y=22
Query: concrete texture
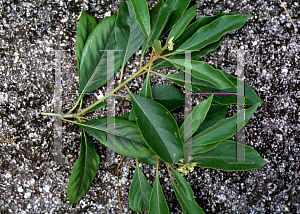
x=30, y=180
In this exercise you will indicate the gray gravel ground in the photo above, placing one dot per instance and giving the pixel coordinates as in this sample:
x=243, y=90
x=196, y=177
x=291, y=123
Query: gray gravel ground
x=30, y=180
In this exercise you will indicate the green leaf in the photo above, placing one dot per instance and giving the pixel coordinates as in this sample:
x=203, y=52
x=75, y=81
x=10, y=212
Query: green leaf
x=225, y=152
x=85, y=25
x=145, y=92
x=196, y=117
x=204, y=72
x=157, y=46
x=206, y=147
x=150, y=160
x=214, y=115
x=214, y=31
x=200, y=85
x=169, y=96
x=177, y=8
x=185, y=195
x=251, y=97
x=140, y=191
x=129, y=35
x=84, y=171
x=179, y=27
x=146, y=89
x=191, y=29
x=93, y=66
x=196, y=55
x=159, y=15
x=142, y=15
x=97, y=107
x=128, y=139
x=222, y=130
x=158, y=203
x=158, y=128
x=131, y=116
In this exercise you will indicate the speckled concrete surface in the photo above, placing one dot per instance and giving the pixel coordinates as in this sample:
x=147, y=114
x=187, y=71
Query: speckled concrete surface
x=30, y=180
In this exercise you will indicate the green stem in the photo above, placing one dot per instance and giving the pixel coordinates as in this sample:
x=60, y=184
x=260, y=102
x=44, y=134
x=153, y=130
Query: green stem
x=157, y=73
x=115, y=90
x=51, y=114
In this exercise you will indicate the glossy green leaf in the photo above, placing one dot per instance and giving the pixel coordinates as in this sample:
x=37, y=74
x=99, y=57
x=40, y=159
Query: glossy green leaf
x=97, y=107
x=204, y=72
x=85, y=25
x=225, y=152
x=195, y=26
x=84, y=171
x=145, y=92
x=251, y=97
x=129, y=36
x=196, y=55
x=140, y=191
x=159, y=15
x=93, y=67
x=185, y=195
x=142, y=15
x=199, y=85
x=128, y=139
x=177, y=8
x=131, y=116
x=196, y=117
x=158, y=128
x=169, y=96
x=158, y=203
x=214, y=31
x=222, y=130
x=157, y=46
x=206, y=147
x=214, y=115
x=150, y=160
x=146, y=89
x=179, y=27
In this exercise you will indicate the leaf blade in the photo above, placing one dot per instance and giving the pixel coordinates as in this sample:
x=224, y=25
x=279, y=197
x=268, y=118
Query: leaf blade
x=179, y=27
x=197, y=116
x=85, y=25
x=214, y=115
x=158, y=128
x=222, y=130
x=204, y=72
x=158, y=203
x=185, y=195
x=84, y=171
x=169, y=96
x=128, y=139
x=128, y=33
x=225, y=152
x=139, y=192
x=214, y=31
x=177, y=9
x=93, y=70
x=142, y=15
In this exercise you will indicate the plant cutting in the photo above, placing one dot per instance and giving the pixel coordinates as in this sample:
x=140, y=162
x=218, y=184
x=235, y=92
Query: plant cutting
x=150, y=133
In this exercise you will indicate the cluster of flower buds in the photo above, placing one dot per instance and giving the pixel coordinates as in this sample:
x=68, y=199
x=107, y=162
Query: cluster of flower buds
x=170, y=44
x=186, y=168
